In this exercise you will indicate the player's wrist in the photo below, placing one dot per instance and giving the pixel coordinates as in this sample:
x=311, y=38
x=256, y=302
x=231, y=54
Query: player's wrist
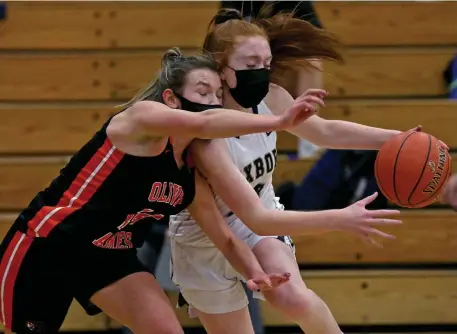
x=254, y=271
x=278, y=123
x=387, y=135
x=338, y=219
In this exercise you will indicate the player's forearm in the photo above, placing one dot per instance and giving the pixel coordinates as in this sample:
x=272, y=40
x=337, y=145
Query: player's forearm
x=347, y=135
x=224, y=123
x=276, y=222
x=160, y=120
x=241, y=258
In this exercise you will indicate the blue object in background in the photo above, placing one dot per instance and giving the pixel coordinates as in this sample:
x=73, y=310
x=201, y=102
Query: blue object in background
x=318, y=185
x=2, y=10
x=450, y=76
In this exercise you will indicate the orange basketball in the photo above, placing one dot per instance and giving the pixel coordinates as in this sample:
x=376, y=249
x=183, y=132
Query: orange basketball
x=412, y=168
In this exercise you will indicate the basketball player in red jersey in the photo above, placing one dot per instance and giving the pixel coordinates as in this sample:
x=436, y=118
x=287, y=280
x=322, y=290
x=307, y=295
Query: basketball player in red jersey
x=77, y=238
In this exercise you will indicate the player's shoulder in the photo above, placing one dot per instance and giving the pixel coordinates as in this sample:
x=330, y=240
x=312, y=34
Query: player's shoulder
x=276, y=90
x=278, y=99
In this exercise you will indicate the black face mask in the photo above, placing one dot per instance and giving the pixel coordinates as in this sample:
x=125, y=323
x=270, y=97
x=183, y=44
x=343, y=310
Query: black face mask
x=194, y=106
x=251, y=86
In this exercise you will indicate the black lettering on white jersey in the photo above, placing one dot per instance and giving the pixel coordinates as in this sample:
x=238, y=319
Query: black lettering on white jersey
x=257, y=168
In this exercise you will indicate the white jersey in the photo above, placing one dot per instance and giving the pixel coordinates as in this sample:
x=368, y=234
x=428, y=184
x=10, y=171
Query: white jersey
x=255, y=156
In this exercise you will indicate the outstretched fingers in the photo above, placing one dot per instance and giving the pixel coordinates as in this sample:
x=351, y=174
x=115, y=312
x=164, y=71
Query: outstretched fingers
x=312, y=99
x=367, y=200
x=383, y=221
x=367, y=231
x=316, y=92
x=304, y=106
x=267, y=281
x=383, y=213
x=278, y=279
x=371, y=241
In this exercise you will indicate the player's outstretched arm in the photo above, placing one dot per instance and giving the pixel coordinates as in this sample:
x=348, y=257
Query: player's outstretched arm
x=204, y=210
x=334, y=134
x=213, y=161
x=157, y=119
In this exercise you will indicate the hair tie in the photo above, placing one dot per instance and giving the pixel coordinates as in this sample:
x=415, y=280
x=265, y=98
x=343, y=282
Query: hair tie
x=232, y=15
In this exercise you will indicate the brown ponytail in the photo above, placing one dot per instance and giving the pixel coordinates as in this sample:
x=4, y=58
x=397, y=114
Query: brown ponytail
x=294, y=42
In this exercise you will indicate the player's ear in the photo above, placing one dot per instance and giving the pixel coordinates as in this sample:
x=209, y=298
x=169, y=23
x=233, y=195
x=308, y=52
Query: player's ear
x=170, y=99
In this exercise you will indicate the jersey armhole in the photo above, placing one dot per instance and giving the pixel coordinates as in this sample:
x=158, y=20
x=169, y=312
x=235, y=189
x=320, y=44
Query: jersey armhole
x=264, y=109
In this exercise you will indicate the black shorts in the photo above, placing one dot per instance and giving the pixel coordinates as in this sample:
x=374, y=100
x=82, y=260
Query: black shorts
x=39, y=279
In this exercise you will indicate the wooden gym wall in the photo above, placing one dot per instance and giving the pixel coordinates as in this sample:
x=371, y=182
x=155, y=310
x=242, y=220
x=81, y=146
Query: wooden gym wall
x=64, y=66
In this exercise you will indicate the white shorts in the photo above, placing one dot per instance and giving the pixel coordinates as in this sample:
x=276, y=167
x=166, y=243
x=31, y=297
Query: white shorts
x=207, y=281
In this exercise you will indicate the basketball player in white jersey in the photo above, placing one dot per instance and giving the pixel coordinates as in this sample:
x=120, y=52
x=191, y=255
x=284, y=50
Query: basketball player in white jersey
x=208, y=283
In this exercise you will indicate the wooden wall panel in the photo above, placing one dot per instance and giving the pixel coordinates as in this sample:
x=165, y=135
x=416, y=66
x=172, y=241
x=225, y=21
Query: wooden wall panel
x=104, y=25
x=387, y=72
x=370, y=23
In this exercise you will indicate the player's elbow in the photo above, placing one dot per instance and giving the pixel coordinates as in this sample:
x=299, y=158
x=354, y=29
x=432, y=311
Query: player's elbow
x=325, y=134
x=229, y=245
x=255, y=219
x=141, y=111
x=146, y=114
x=225, y=243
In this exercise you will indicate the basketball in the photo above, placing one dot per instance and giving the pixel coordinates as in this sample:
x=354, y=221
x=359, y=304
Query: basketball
x=412, y=168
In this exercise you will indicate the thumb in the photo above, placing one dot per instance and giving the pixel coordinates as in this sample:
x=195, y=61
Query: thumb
x=279, y=276
x=417, y=128
x=445, y=146
x=367, y=200
x=263, y=281
x=252, y=285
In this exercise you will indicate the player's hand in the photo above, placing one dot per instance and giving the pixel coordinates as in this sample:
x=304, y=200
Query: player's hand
x=303, y=108
x=445, y=146
x=419, y=128
x=450, y=192
x=416, y=129
x=358, y=220
x=265, y=281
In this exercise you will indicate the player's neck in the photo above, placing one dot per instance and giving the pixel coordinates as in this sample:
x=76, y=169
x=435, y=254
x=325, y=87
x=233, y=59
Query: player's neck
x=230, y=103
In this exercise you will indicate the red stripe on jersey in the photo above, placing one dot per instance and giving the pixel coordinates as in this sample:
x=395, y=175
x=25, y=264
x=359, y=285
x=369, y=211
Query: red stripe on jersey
x=9, y=269
x=81, y=190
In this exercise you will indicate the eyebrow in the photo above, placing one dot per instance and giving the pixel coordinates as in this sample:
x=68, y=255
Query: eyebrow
x=257, y=56
x=203, y=83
